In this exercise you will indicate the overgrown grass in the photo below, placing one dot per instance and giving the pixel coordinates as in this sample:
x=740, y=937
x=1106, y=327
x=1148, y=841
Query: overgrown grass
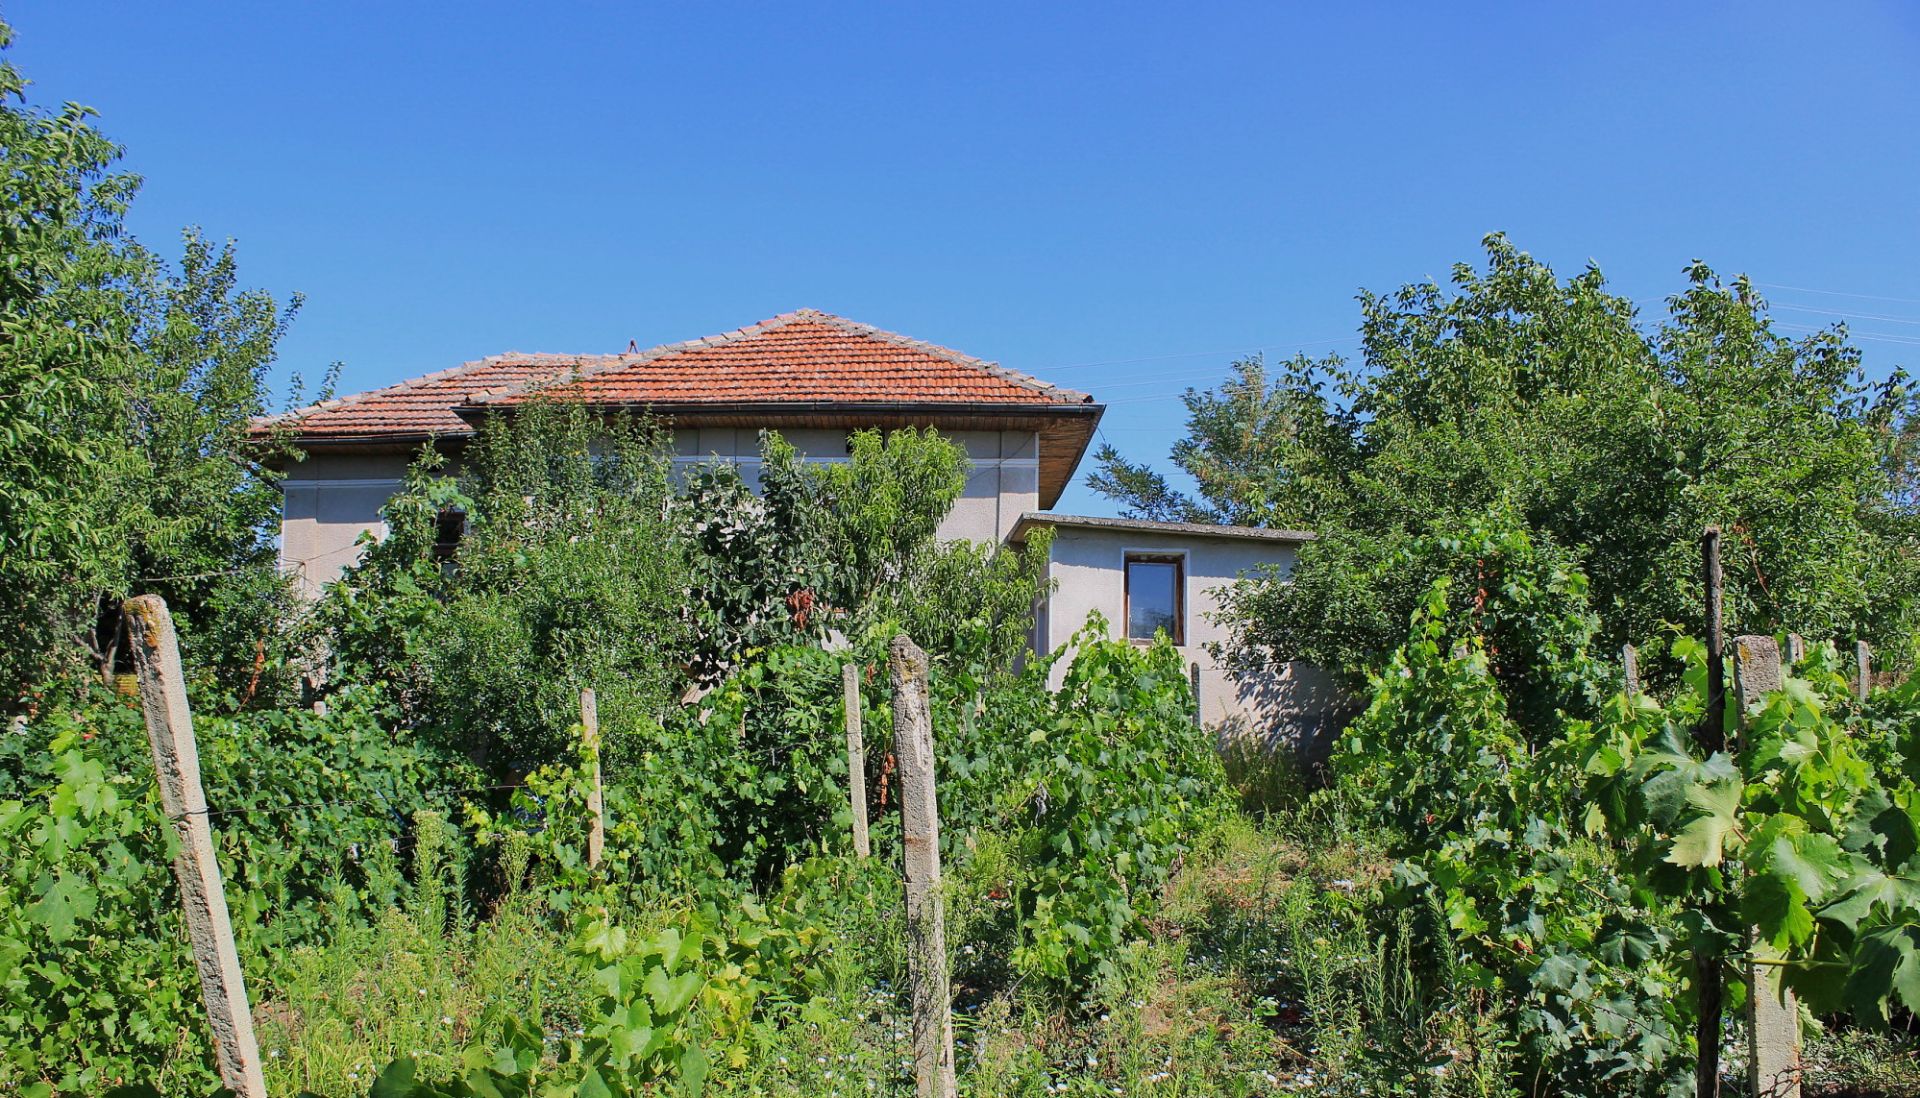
x=405, y=986
x=1208, y=1004
x=1266, y=971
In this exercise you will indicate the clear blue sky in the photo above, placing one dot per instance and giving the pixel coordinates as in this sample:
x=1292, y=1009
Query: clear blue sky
x=1117, y=198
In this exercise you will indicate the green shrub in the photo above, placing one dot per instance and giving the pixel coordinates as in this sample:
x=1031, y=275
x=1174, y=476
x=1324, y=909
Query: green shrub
x=1121, y=779
x=96, y=984
x=570, y=575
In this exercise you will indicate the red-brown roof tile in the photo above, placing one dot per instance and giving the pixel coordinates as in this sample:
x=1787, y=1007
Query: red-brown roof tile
x=803, y=357
x=799, y=357
x=421, y=406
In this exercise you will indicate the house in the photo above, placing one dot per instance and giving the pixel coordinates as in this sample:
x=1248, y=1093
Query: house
x=1146, y=578
x=815, y=378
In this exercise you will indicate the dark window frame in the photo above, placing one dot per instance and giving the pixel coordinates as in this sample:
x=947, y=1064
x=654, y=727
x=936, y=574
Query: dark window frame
x=1177, y=634
x=449, y=527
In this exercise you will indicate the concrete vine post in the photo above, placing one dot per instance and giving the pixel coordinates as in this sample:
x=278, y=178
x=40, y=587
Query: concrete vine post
x=1630, y=668
x=1863, y=660
x=596, y=797
x=203, y=898
x=856, y=758
x=1773, y=1018
x=933, y=1069
x=1709, y=979
x=1193, y=680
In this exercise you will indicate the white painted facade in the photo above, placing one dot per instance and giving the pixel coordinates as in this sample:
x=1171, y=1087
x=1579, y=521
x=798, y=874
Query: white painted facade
x=334, y=499
x=1295, y=702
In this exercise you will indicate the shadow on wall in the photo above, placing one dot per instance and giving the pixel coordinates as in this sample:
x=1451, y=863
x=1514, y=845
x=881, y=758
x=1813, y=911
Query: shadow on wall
x=1299, y=710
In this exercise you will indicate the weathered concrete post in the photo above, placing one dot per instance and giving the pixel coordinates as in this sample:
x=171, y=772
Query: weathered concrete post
x=1710, y=735
x=920, y=834
x=176, y=762
x=856, y=758
x=596, y=795
x=1796, y=652
x=1630, y=668
x=1193, y=680
x=1863, y=660
x=1773, y=1018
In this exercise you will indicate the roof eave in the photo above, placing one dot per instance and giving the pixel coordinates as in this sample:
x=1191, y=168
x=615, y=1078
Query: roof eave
x=1027, y=522
x=472, y=410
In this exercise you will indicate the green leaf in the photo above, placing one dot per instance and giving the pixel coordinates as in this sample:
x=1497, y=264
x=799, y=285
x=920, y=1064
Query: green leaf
x=671, y=995
x=693, y=1070
x=1702, y=841
x=1776, y=907
x=65, y=902
x=396, y=1081
x=593, y=1086
x=1884, y=965
x=1870, y=889
x=1783, y=846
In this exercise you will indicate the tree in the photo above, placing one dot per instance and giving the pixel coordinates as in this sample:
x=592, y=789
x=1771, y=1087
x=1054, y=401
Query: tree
x=819, y=544
x=125, y=392
x=1235, y=449
x=570, y=574
x=1613, y=441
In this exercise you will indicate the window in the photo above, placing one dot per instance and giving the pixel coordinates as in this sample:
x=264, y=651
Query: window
x=1155, y=596
x=448, y=528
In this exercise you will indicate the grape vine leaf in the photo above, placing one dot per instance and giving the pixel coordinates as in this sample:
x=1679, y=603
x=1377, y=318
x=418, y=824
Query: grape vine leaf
x=1885, y=964
x=65, y=902
x=1702, y=842
x=1870, y=889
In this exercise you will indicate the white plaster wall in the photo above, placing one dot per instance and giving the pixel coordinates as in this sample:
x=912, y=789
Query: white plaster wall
x=1002, y=484
x=332, y=499
x=1295, y=702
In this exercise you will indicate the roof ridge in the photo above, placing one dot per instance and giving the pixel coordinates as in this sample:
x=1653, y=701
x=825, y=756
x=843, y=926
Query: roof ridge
x=773, y=323
x=296, y=414
x=948, y=353
x=641, y=358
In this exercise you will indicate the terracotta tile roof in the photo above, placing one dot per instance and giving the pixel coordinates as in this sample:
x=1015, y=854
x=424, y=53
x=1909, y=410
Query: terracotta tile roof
x=803, y=357
x=799, y=357
x=421, y=406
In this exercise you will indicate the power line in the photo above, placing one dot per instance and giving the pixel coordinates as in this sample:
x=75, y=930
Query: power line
x=1840, y=312
x=1879, y=337
x=1838, y=293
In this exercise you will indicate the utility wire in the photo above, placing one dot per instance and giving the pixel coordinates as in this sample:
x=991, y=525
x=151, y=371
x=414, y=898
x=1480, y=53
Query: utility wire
x=1839, y=312
x=1839, y=293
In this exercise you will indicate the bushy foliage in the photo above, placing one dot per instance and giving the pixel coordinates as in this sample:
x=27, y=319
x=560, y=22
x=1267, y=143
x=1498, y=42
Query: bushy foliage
x=971, y=605
x=1524, y=600
x=824, y=545
x=126, y=391
x=1583, y=864
x=1793, y=834
x=1480, y=817
x=758, y=559
x=1612, y=441
x=1121, y=778
x=98, y=984
x=879, y=511
x=569, y=575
